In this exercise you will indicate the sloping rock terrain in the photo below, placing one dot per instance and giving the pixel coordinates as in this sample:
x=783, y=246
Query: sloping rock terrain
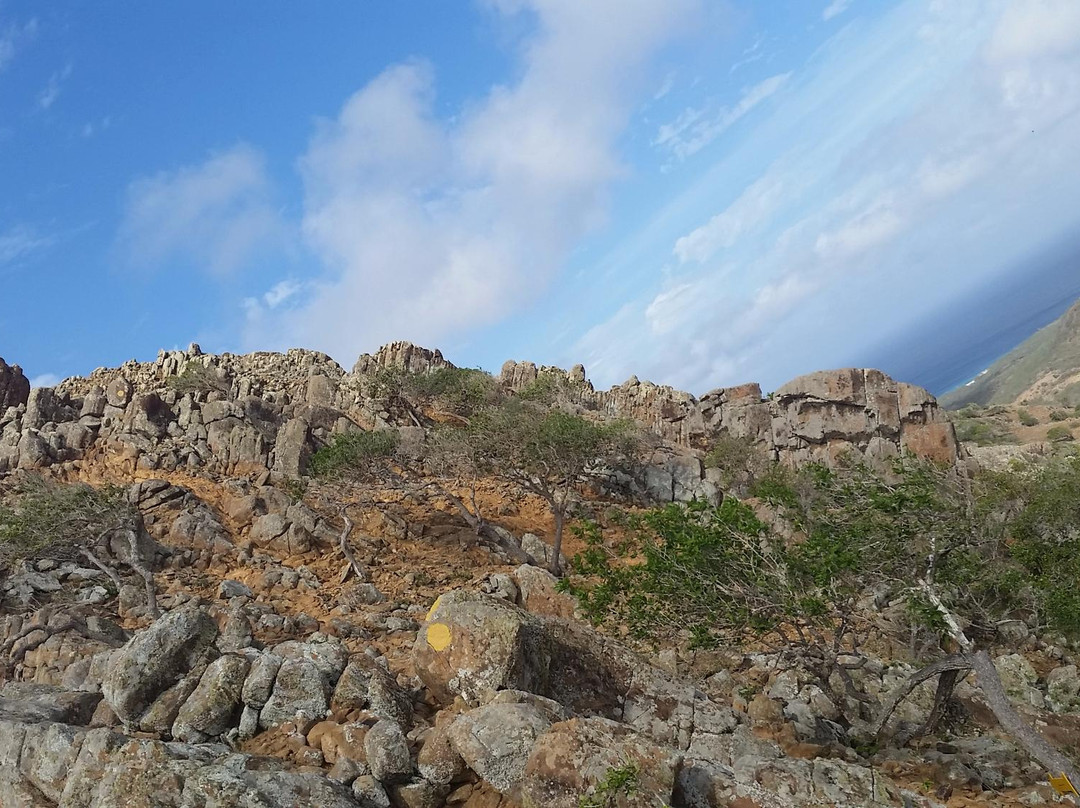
x=446, y=672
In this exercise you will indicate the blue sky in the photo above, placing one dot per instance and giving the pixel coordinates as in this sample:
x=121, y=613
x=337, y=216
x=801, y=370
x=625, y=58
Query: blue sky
x=696, y=191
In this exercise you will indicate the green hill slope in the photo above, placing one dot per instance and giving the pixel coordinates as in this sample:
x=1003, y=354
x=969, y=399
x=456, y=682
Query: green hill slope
x=1044, y=368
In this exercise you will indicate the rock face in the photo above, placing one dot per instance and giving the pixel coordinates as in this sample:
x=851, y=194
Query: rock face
x=14, y=386
x=265, y=413
x=812, y=418
x=155, y=661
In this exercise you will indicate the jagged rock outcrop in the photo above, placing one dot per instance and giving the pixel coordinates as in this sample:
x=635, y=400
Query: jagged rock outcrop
x=815, y=417
x=14, y=386
x=264, y=413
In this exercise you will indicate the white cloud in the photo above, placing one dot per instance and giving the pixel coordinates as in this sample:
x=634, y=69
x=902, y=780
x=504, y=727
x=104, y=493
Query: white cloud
x=1036, y=28
x=13, y=37
x=281, y=292
x=436, y=226
x=835, y=9
x=695, y=129
x=215, y=215
x=753, y=208
x=46, y=380
x=918, y=172
x=48, y=96
x=19, y=241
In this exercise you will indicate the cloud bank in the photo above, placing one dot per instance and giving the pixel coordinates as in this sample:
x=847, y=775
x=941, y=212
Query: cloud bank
x=433, y=226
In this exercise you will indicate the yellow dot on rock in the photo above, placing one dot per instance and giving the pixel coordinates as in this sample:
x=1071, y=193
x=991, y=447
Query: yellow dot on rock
x=438, y=636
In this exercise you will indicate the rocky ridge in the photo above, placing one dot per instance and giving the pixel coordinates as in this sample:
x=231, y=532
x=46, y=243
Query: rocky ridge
x=448, y=673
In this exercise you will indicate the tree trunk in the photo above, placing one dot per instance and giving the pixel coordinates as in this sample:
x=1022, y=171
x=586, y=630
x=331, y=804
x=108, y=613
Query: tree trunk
x=556, y=550
x=1013, y=723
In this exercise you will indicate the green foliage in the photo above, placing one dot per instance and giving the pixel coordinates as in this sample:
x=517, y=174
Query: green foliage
x=1045, y=538
x=983, y=431
x=353, y=452
x=41, y=517
x=1058, y=434
x=196, y=379
x=1026, y=418
x=461, y=391
x=739, y=461
x=545, y=450
x=1060, y=415
x=618, y=780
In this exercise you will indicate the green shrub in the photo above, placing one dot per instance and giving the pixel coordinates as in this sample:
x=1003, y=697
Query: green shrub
x=196, y=379
x=41, y=517
x=1026, y=418
x=739, y=461
x=1060, y=415
x=1058, y=434
x=618, y=780
x=462, y=391
x=353, y=451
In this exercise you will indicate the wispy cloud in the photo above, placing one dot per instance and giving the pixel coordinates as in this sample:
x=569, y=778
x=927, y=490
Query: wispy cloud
x=19, y=241
x=45, y=380
x=835, y=9
x=47, y=97
x=696, y=128
x=215, y=215
x=12, y=37
x=917, y=172
x=435, y=226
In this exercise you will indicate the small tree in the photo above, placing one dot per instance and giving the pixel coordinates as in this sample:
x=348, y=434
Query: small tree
x=547, y=452
x=44, y=518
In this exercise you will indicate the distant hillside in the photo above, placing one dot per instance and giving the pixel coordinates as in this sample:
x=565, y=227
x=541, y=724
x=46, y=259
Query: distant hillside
x=1044, y=368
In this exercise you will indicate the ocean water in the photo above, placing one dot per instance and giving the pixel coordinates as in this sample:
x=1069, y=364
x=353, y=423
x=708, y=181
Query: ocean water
x=953, y=345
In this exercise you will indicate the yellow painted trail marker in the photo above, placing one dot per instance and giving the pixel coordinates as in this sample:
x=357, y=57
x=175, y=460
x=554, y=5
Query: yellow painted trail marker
x=1063, y=785
x=434, y=606
x=438, y=636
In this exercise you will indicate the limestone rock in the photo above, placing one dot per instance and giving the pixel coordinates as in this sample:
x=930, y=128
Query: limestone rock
x=156, y=659
x=14, y=386
x=473, y=645
x=215, y=704
x=495, y=741
x=300, y=689
x=387, y=752
x=573, y=757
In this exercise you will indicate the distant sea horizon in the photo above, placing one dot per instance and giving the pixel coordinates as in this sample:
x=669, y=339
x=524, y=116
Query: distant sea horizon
x=953, y=345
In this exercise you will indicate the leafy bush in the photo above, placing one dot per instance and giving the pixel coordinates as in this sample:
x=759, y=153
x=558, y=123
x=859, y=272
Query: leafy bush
x=739, y=460
x=461, y=391
x=1059, y=434
x=40, y=517
x=1060, y=415
x=197, y=378
x=1026, y=418
x=352, y=451
x=618, y=780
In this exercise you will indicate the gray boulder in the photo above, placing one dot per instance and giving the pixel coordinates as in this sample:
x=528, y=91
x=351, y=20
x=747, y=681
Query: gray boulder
x=156, y=659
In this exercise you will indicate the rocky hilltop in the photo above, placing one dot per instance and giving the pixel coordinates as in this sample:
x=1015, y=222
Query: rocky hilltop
x=264, y=413
x=251, y=636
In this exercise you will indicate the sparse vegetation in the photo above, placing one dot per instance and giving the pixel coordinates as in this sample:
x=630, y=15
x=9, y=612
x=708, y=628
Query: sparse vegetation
x=459, y=391
x=739, y=461
x=198, y=379
x=618, y=780
x=1059, y=434
x=1026, y=418
x=40, y=517
x=352, y=451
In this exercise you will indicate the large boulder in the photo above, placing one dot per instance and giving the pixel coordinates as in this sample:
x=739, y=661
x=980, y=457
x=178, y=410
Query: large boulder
x=596, y=756
x=495, y=741
x=300, y=690
x=473, y=645
x=214, y=706
x=157, y=659
x=14, y=386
